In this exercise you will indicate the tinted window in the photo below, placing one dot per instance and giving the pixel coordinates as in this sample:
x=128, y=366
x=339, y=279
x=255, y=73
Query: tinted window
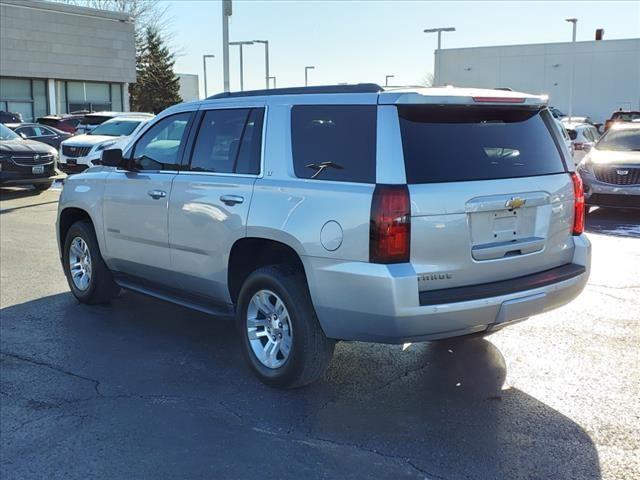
x=623, y=140
x=334, y=142
x=460, y=143
x=160, y=146
x=116, y=128
x=26, y=131
x=229, y=141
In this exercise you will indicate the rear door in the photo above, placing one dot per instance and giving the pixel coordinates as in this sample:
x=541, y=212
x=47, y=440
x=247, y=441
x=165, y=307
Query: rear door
x=491, y=198
x=211, y=196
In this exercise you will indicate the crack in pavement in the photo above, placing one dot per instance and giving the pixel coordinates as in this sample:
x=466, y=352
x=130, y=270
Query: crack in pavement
x=319, y=441
x=96, y=383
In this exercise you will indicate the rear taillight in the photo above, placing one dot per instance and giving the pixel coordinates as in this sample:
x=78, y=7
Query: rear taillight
x=390, y=230
x=578, y=146
x=578, y=193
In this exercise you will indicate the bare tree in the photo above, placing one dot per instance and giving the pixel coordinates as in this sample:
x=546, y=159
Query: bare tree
x=427, y=80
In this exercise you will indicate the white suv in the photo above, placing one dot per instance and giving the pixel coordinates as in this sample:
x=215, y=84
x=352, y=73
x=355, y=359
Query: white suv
x=83, y=151
x=345, y=212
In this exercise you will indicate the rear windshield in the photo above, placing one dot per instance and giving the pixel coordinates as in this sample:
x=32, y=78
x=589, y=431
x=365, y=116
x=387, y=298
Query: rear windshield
x=462, y=143
x=116, y=128
x=626, y=116
x=623, y=140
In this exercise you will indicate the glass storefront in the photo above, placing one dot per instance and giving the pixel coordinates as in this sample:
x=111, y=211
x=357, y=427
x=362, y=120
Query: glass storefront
x=28, y=97
x=24, y=96
x=92, y=96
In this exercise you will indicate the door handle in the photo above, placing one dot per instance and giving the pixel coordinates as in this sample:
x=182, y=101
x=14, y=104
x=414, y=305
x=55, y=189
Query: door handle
x=231, y=200
x=156, y=194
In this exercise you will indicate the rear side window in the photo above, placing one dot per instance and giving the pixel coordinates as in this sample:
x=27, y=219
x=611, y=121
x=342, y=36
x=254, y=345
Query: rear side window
x=462, y=143
x=334, y=142
x=622, y=140
x=229, y=141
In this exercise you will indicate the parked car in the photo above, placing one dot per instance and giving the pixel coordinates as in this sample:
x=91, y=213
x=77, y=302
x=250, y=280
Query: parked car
x=26, y=162
x=65, y=123
x=575, y=119
x=565, y=136
x=335, y=213
x=40, y=133
x=621, y=116
x=611, y=170
x=9, y=117
x=583, y=137
x=91, y=120
x=83, y=151
x=556, y=113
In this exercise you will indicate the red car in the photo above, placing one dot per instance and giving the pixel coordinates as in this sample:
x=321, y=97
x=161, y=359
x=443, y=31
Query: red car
x=66, y=123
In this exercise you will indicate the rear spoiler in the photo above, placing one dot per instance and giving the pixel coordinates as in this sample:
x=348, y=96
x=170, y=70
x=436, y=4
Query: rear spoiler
x=462, y=97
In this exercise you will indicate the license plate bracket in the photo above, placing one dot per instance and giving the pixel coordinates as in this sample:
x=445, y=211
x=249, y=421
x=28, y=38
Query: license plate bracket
x=37, y=169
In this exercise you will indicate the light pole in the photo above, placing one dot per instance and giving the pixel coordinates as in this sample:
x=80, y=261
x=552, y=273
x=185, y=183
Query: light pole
x=574, y=21
x=386, y=79
x=436, y=65
x=266, y=59
x=204, y=67
x=226, y=13
x=306, y=74
x=274, y=81
x=240, y=44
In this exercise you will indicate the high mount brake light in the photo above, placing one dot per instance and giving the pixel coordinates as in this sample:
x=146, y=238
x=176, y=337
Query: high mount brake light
x=498, y=99
x=390, y=227
x=579, y=207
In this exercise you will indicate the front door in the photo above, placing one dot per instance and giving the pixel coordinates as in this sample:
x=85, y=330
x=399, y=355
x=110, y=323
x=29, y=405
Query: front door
x=136, y=202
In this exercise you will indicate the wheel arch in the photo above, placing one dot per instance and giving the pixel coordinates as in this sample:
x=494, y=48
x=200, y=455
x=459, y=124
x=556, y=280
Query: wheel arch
x=67, y=217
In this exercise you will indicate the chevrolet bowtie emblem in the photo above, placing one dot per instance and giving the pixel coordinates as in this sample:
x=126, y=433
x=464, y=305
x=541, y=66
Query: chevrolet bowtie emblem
x=515, y=202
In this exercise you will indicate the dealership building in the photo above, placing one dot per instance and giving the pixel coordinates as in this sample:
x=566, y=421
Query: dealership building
x=606, y=73
x=57, y=58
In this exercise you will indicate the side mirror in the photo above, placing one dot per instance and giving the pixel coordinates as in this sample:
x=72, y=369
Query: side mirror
x=113, y=158
x=572, y=134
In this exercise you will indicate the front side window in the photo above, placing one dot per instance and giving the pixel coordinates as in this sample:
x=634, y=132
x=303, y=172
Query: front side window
x=26, y=131
x=334, y=142
x=160, y=146
x=229, y=141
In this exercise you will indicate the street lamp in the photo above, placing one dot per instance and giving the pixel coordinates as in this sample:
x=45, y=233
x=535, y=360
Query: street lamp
x=306, y=74
x=574, y=21
x=204, y=67
x=227, y=11
x=266, y=59
x=386, y=79
x=240, y=44
x=436, y=65
x=274, y=81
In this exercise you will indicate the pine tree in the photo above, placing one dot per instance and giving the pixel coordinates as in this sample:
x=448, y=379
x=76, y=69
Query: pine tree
x=157, y=86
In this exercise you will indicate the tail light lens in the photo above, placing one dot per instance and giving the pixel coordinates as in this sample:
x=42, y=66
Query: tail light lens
x=578, y=146
x=578, y=192
x=390, y=230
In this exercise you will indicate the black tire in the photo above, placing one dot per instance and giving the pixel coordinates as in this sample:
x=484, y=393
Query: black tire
x=311, y=351
x=102, y=288
x=41, y=187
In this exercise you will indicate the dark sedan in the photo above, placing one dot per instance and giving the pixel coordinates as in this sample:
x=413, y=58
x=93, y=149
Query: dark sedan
x=25, y=162
x=40, y=133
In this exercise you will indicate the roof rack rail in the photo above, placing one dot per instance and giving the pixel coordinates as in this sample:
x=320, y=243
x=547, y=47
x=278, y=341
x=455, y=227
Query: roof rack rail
x=357, y=88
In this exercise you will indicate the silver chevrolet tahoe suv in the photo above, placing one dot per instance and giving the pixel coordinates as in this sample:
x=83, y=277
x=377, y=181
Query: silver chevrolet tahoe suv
x=311, y=215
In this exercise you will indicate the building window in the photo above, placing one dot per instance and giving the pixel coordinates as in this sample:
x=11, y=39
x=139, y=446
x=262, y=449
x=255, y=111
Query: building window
x=24, y=96
x=90, y=96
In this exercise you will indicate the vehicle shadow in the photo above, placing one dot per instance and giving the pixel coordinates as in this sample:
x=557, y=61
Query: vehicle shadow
x=611, y=221
x=434, y=410
x=11, y=193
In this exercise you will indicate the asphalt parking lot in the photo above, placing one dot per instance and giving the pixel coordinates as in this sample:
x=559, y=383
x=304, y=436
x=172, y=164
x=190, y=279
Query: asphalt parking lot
x=145, y=389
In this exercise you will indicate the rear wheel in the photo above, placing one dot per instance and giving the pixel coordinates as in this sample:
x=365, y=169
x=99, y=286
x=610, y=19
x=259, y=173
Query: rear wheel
x=281, y=337
x=41, y=187
x=89, y=278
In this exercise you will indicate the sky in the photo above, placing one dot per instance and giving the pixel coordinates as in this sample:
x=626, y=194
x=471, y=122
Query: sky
x=362, y=41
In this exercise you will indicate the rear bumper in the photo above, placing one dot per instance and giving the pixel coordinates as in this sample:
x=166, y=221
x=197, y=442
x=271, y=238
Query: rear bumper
x=381, y=303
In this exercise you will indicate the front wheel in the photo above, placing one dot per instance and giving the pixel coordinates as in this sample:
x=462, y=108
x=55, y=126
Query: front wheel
x=281, y=337
x=89, y=278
